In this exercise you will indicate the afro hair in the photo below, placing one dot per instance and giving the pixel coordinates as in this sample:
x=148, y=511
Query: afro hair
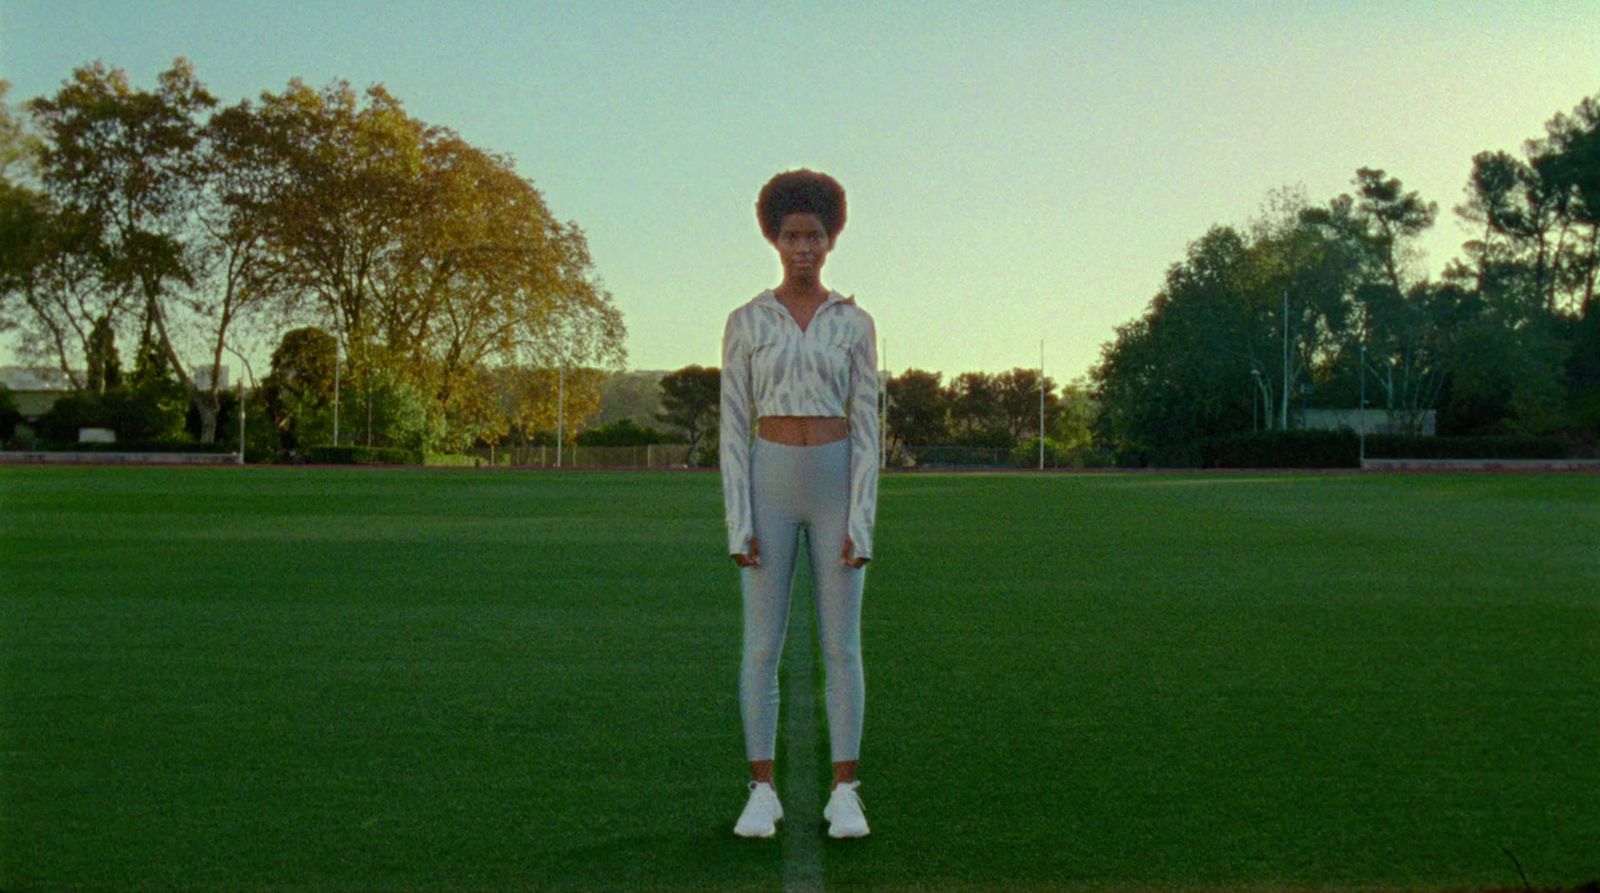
x=801, y=192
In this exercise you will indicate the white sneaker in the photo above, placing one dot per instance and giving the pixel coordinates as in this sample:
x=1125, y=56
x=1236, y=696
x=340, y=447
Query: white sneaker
x=845, y=815
x=761, y=812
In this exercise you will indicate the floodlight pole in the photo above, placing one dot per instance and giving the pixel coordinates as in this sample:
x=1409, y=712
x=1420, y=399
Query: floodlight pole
x=1041, y=404
x=1363, y=413
x=1284, y=421
x=561, y=405
x=1255, y=398
x=338, y=340
x=883, y=404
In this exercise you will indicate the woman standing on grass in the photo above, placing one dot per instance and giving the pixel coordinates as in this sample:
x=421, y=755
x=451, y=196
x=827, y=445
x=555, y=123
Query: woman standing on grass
x=802, y=361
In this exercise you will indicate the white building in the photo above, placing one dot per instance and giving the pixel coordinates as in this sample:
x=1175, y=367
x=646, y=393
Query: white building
x=1376, y=421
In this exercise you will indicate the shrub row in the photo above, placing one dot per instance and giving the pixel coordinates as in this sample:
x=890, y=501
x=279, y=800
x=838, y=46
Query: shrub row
x=145, y=446
x=1285, y=449
x=1395, y=446
x=1342, y=449
x=361, y=455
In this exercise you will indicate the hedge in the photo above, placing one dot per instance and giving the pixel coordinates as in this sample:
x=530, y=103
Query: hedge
x=1285, y=449
x=361, y=455
x=146, y=446
x=1397, y=446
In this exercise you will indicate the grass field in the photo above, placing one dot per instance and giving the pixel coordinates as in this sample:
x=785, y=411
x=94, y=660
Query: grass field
x=279, y=679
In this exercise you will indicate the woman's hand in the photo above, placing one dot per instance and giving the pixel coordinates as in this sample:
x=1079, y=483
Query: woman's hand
x=751, y=558
x=849, y=549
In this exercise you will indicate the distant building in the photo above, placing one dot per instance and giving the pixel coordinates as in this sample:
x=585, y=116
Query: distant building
x=36, y=388
x=1377, y=421
x=201, y=373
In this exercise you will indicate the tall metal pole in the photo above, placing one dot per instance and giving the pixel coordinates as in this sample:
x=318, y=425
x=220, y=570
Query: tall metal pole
x=338, y=340
x=1255, y=399
x=1284, y=420
x=883, y=404
x=1363, y=404
x=1041, y=404
x=561, y=406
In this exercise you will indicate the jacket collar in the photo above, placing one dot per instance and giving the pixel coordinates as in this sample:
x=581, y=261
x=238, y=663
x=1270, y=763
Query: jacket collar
x=770, y=300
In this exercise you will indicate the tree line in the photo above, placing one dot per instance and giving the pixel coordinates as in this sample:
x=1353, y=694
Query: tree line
x=1310, y=304
x=993, y=414
x=422, y=274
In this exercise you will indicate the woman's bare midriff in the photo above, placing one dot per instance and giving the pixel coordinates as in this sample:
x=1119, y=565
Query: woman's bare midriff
x=792, y=430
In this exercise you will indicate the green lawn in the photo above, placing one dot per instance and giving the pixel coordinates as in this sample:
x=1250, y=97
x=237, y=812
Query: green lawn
x=278, y=679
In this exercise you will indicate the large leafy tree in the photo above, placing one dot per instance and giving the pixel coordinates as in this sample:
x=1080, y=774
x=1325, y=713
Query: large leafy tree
x=1019, y=401
x=427, y=255
x=121, y=166
x=690, y=401
x=976, y=415
x=919, y=411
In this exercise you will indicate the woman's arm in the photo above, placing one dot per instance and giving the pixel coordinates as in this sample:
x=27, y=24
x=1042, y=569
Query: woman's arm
x=734, y=436
x=863, y=414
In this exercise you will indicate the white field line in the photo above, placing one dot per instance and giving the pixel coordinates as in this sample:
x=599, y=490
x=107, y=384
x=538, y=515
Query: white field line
x=802, y=804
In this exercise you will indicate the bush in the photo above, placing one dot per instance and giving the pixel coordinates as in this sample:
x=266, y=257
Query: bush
x=144, y=415
x=361, y=455
x=1286, y=449
x=625, y=432
x=1056, y=454
x=1397, y=446
x=952, y=455
x=135, y=446
x=10, y=415
x=452, y=460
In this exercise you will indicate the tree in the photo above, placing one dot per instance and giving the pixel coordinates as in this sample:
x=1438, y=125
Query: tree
x=19, y=145
x=1393, y=321
x=105, y=367
x=1019, y=402
x=299, y=389
x=530, y=400
x=919, y=413
x=631, y=395
x=1073, y=427
x=426, y=251
x=120, y=165
x=690, y=400
x=233, y=271
x=976, y=416
x=10, y=414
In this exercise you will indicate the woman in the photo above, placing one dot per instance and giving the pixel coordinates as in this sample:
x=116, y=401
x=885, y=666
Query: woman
x=802, y=361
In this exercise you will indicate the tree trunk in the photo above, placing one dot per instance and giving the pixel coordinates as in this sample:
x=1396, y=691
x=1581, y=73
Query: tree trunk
x=208, y=417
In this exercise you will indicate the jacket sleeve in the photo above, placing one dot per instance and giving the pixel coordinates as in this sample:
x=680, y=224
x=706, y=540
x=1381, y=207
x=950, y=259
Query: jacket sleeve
x=734, y=435
x=864, y=443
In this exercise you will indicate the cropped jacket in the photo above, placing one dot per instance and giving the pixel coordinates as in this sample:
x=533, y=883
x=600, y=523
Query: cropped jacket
x=772, y=368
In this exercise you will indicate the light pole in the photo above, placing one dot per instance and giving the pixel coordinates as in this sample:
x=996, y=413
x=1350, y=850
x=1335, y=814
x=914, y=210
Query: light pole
x=1255, y=399
x=1284, y=421
x=1041, y=404
x=883, y=404
x=338, y=339
x=1363, y=407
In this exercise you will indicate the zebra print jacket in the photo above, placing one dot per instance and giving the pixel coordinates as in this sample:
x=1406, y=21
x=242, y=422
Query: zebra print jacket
x=771, y=367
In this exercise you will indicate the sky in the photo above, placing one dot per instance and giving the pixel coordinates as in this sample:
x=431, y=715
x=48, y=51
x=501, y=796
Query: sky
x=1016, y=173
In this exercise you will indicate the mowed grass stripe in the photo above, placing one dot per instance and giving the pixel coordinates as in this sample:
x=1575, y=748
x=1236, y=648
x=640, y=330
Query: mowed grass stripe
x=276, y=679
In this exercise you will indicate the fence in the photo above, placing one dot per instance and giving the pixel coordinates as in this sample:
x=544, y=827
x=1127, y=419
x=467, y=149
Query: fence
x=942, y=456
x=656, y=455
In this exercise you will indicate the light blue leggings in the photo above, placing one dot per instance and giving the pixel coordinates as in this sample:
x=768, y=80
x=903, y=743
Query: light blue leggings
x=794, y=487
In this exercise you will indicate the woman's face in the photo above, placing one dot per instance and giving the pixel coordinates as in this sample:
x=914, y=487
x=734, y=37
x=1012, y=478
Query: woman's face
x=803, y=245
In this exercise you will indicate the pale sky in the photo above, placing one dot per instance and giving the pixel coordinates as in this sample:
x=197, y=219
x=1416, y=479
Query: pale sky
x=1014, y=173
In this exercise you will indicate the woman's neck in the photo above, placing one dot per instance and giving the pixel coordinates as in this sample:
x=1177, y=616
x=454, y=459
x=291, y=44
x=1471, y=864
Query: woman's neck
x=803, y=289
